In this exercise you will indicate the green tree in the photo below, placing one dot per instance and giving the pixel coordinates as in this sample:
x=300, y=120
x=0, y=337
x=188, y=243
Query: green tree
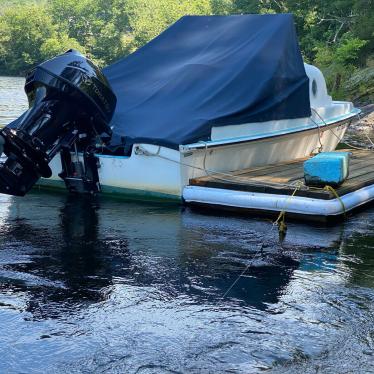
x=28, y=36
x=22, y=30
x=98, y=25
x=337, y=35
x=339, y=62
x=58, y=44
x=148, y=18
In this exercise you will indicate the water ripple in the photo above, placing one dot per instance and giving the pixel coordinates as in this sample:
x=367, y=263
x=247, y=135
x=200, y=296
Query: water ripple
x=13, y=101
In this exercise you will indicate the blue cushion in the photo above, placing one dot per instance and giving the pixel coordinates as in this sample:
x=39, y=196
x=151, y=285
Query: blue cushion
x=327, y=168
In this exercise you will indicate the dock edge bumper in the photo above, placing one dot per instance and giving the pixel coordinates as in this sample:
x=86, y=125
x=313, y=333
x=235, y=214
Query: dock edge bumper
x=276, y=203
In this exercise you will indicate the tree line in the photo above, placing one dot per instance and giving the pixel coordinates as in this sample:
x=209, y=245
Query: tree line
x=336, y=35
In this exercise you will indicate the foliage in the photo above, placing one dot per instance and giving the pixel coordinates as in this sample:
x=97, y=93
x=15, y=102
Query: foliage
x=337, y=35
x=360, y=86
x=339, y=62
x=57, y=44
x=23, y=29
x=148, y=18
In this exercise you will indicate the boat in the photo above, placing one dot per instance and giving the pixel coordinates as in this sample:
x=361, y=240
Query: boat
x=211, y=94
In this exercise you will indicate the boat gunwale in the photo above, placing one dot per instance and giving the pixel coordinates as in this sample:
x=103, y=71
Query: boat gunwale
x=250, y=139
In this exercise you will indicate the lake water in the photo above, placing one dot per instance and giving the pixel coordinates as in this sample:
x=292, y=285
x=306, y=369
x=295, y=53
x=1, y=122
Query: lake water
x=99, y=285
x=13, y=101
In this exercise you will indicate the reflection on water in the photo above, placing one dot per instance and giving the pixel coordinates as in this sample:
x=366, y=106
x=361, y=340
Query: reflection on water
x=13, y=101
x=99, y=285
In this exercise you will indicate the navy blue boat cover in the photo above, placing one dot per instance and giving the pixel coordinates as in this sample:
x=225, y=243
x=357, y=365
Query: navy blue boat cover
x=207, y=71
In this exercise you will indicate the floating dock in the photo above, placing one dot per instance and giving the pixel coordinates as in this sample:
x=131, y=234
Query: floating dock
x=275, y=188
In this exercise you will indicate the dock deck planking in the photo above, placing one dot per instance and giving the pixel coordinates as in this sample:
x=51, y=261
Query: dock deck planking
x=282, y=178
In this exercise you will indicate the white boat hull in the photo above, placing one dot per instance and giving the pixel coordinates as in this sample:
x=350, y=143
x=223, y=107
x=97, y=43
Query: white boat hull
x=158, y=172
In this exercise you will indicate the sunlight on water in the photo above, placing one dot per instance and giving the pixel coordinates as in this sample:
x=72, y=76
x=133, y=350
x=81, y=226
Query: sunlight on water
x=13, y=100
x=98, y=285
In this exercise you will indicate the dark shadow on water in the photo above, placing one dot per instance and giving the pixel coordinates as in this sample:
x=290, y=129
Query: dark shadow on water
x=69, y=264
x=78, y=247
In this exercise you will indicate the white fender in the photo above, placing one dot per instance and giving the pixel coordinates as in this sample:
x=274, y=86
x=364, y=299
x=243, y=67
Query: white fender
x=273, y=202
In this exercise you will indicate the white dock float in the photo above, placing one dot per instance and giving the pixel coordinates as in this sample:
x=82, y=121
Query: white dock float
x=276, y=188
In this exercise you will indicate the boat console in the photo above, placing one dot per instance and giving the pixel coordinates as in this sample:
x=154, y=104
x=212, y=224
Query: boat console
x=70, y=106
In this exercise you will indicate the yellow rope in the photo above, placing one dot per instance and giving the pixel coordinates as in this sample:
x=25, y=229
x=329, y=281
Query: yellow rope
x=331, y=189
x=281, y=220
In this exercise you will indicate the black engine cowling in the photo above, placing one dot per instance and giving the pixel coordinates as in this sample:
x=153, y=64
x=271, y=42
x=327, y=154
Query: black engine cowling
x=69, y=99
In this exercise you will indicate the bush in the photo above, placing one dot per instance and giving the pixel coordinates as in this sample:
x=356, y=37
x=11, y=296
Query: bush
x=360, y=86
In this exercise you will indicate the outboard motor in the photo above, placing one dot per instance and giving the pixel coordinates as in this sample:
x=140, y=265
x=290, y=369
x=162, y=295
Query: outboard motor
x=70, y=103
